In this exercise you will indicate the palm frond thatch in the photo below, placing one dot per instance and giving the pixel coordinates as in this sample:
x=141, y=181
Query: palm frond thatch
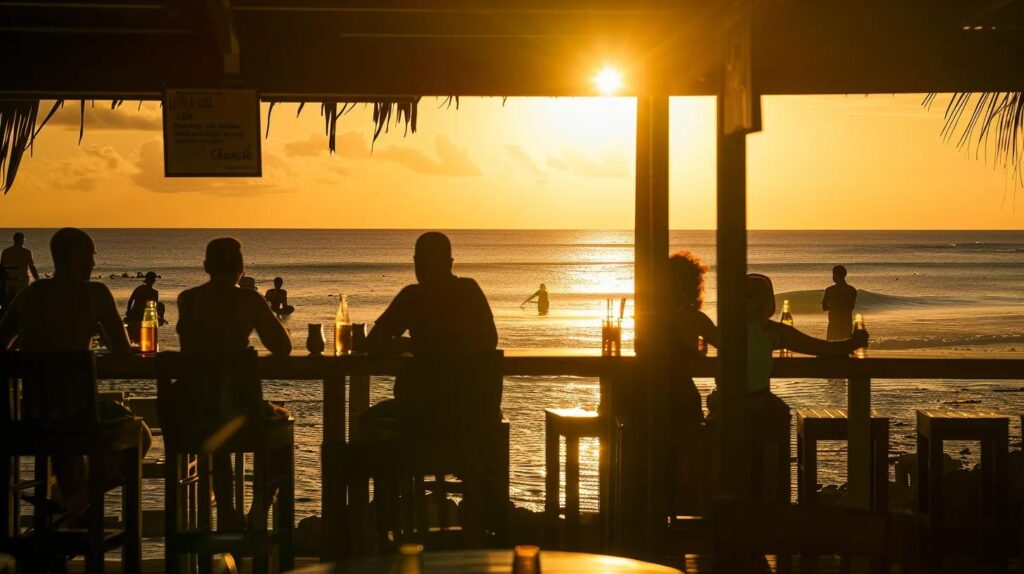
x=990, y=121
x=17, y=124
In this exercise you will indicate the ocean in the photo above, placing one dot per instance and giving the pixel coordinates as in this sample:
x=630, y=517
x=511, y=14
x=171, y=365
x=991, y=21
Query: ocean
x=921, y=292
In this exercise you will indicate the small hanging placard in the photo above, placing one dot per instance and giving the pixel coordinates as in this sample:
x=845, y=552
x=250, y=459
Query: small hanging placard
x=212, y=133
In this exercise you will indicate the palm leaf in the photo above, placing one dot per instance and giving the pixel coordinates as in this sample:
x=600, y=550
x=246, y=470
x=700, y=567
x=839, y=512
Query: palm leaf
x=990, y=122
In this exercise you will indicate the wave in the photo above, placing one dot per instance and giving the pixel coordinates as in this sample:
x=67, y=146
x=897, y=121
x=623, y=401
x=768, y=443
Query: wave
x=809, y=301
x=980, y=246
x=946, y=341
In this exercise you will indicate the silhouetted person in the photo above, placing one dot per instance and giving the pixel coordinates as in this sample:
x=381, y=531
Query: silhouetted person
x=445, y=316
x=541, y=295
x=17, y=262
x=278, y=299
x=218, y=317
x=137, y=305
x=63, y=314
x=688, y=324
x=839, y=300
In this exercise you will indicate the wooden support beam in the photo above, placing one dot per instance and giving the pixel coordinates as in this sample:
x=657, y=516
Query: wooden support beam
x=734, y=478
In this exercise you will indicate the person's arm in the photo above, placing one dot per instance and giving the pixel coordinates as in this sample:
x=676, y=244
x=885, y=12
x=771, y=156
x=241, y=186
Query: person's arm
x=32, y=267
x=131, y=302
x=795, y=340
x=9, y=323
x=530, y=298
x=706, y=328
x=825, y=301
x=272, y=333
x=284, y=298
x=110, y=322
x=853, y=300
x=385, y=337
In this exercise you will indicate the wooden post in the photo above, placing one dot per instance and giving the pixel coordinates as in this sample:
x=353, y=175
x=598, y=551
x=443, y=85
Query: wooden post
x=734, y=469
x=332, y=490
x=859, y=436
x=644, y=451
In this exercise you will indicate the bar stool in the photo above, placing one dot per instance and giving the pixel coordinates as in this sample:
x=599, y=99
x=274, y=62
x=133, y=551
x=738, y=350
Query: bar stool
x=814, y=425
x=573, y=424
x=58, y=415
x=213, y=405
x=991, y=430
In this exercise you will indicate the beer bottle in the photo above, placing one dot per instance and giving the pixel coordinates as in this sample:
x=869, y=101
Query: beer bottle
x=148, y=331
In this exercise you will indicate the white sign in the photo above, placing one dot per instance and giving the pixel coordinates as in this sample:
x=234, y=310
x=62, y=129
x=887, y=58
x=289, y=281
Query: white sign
x=212, y=133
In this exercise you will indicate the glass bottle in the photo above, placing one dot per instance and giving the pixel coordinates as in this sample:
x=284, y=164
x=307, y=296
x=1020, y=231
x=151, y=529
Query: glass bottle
x=148, y=331
x=786, y=319
x=858, y=325
x=342, y=328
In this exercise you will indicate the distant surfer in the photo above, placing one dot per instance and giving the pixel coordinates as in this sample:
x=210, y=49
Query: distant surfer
x=840, y=300
x=541, y=295
x=278, y=299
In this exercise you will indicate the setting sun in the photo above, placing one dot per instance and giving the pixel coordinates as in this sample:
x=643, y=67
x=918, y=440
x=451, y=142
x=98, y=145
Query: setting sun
x=608, y=81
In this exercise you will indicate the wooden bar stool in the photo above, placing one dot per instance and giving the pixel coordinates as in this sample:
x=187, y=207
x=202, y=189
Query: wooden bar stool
x=214, y=405
x=814, y=425
x=991, y=430
x=573, y=424
x=53, y=415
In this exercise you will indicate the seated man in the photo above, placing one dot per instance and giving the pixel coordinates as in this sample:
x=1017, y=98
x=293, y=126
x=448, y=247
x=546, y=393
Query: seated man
x=278, y=299
x=218, y=316
x=63, y=314
x=445, y=315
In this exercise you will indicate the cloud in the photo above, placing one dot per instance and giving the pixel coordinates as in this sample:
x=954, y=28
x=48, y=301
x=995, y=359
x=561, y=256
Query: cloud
x=451, y=159
x=522, y=157
x=150, y=176
x=348, y=144
x=611, y=163
x=85, y=170
x=102, y=118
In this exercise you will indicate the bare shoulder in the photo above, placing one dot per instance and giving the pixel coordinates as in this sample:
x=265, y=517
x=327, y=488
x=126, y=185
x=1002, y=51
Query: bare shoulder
x=249, y=297
x=97, y=289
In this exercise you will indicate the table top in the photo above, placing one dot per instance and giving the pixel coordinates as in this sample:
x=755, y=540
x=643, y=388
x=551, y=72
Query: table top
x=497, y=562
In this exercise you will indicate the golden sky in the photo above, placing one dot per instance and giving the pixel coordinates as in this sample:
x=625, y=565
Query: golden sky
x=822, y=162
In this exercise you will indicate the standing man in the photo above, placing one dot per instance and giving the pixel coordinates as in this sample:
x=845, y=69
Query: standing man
x=17, y=262
x=137, y=305
x=840, y=300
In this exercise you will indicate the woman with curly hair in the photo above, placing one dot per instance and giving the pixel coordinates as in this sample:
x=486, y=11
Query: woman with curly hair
x=688, y=326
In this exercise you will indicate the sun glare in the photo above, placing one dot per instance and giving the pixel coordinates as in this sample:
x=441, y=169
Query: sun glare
x=608, y=81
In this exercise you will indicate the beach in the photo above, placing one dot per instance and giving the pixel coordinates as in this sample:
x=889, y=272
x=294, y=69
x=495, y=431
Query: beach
x=946, y=293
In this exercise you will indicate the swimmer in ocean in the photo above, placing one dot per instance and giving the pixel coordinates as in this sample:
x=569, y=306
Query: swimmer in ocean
x=541, y=295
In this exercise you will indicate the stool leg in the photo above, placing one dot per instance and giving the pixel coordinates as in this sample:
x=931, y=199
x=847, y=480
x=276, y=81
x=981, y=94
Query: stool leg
x=572, y=491
x=131, y=510
x=997, y=483
x=285, y=512
x=935, y=510
x=94, y=559
x=552, y=470
x=880, y=486
x=204, y=516
x=260, y=502
x=172, y=510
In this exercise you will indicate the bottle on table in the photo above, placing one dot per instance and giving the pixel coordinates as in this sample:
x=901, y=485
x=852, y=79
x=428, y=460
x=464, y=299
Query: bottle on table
x=342, y=328
x=858, y=325
x=148, y=331
x=786, y=319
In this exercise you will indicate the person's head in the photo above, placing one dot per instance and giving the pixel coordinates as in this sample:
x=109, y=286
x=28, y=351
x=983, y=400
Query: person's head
x=278, y=282
x=19, y=238
x=687, y=276
x=224, y=259
x=150, y=278
x=839, y=274
x=760, y=297
x=433, y=258
x=543, y=287
x=73, y=253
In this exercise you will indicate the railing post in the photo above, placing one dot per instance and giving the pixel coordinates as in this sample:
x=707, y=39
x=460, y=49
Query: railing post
x=859, y=437
x=332, y=492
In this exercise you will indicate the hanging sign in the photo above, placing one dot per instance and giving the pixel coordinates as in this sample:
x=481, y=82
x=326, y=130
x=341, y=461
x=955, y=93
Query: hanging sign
x=212, y=133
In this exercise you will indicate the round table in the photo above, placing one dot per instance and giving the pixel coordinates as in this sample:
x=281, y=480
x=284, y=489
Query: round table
x=497, y=562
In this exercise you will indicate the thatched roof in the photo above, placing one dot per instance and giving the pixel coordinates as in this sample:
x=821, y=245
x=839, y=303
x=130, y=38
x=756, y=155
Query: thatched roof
x=390, y=52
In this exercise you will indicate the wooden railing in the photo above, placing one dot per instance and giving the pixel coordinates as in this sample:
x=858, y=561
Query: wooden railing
x=354, y=372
